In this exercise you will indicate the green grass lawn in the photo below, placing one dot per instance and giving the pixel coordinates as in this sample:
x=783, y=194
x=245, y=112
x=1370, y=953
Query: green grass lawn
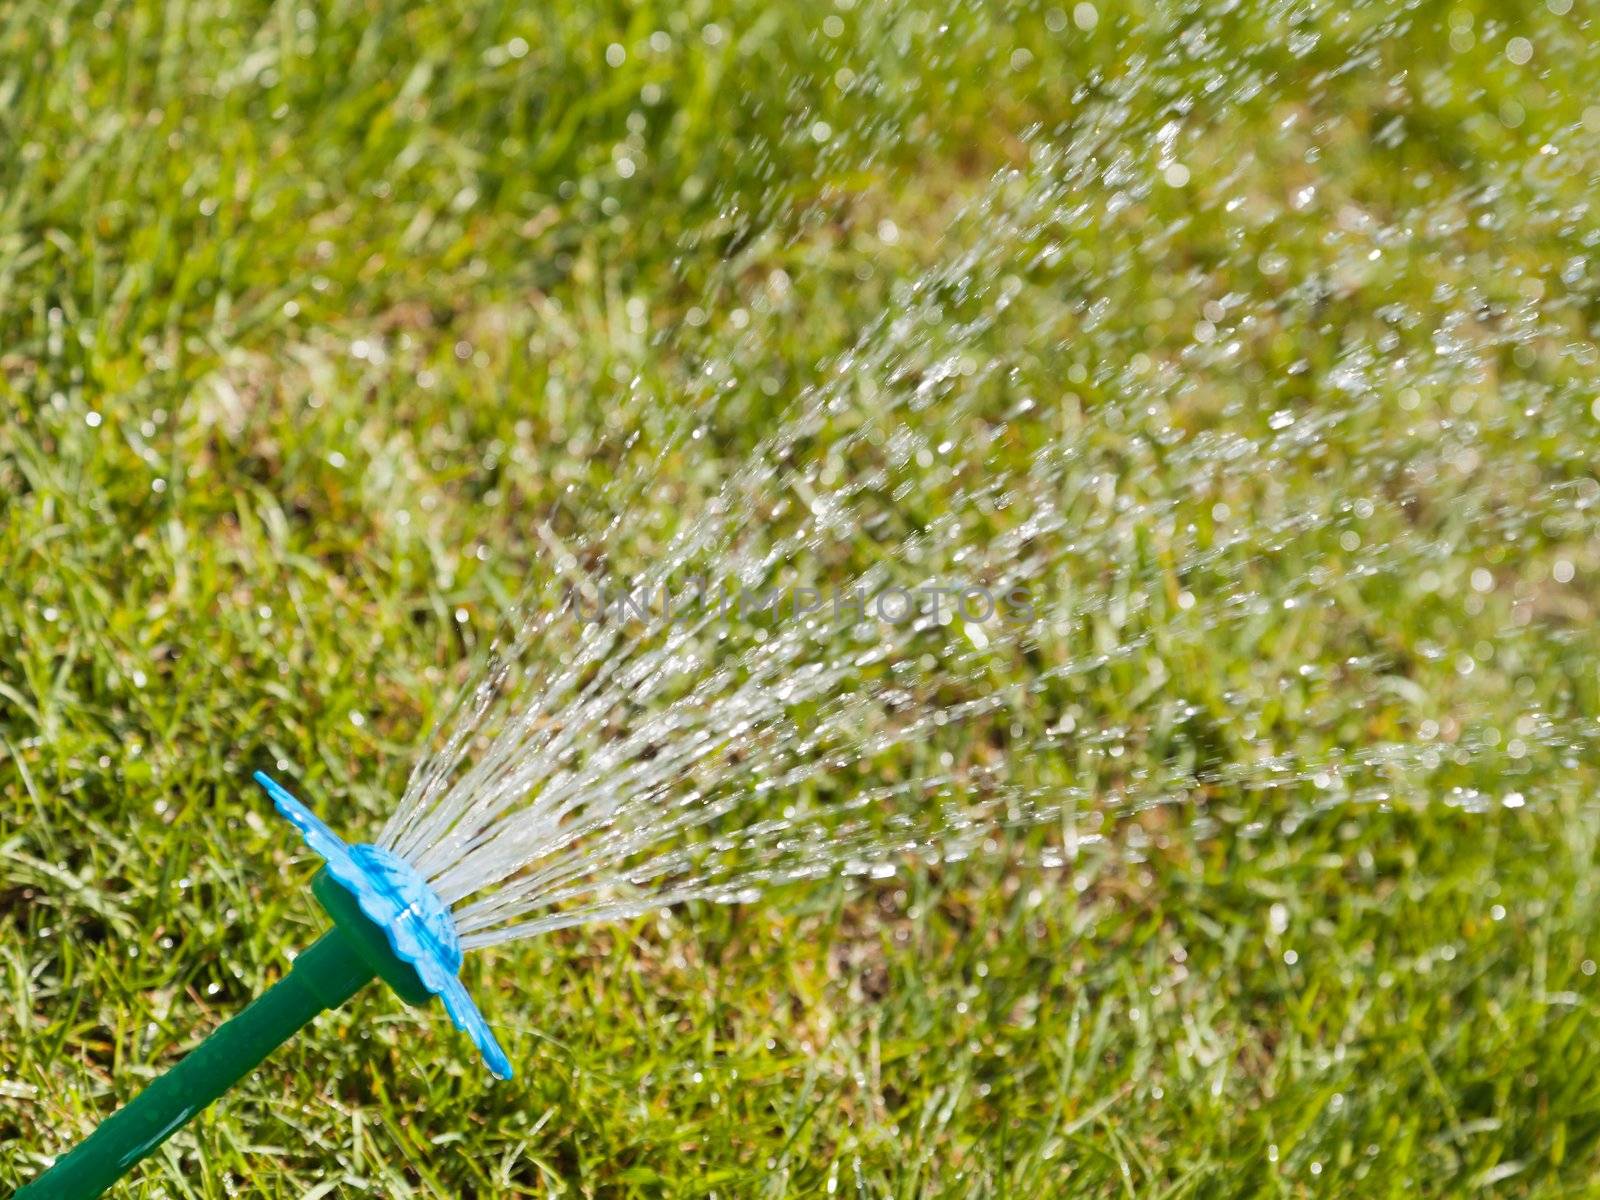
x=314, y=315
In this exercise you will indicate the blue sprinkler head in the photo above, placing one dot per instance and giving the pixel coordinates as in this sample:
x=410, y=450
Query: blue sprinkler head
x=396, y=898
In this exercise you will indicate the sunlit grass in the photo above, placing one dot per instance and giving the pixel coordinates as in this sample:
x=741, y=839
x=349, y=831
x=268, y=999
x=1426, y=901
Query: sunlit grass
x=309, y=313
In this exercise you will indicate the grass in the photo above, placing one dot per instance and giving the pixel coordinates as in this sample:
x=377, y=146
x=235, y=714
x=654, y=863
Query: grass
x=310, y=313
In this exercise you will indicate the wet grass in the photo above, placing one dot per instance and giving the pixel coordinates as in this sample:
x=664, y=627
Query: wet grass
x=312, y=314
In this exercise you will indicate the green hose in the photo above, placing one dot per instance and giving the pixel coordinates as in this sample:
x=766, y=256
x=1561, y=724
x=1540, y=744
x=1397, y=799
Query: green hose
x=336, y=967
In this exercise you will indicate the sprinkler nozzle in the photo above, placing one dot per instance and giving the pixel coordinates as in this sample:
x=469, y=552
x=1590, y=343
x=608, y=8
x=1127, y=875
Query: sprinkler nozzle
x=387, y=923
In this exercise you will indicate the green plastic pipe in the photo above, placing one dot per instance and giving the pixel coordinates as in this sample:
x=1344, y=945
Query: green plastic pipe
x=338, y=965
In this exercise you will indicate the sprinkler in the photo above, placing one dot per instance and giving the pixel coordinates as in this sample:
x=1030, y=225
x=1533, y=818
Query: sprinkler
x=592, y=771
x=388, y=923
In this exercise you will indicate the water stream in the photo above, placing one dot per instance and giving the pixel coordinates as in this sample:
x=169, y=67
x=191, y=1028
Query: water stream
x=969, y=529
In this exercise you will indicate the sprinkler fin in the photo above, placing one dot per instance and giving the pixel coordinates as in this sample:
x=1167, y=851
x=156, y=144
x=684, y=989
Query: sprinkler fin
x=390, y=893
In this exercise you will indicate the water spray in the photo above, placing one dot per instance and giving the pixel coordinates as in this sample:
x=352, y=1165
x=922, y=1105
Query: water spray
x=388, y=923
